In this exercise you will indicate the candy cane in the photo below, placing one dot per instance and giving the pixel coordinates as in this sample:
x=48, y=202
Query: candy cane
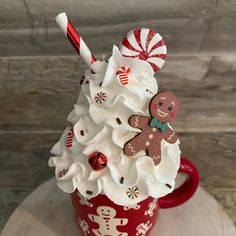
x=123, y=73
x=75, y=39
x=145, y=44
x=69, y=138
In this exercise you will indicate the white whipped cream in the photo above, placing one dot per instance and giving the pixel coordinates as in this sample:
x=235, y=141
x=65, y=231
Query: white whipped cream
x=125, y=180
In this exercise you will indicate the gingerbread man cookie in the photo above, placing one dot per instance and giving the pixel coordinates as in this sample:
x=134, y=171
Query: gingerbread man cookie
x=107, y=222
x=163, y=109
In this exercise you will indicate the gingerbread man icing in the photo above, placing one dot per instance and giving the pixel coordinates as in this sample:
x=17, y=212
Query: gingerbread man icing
x=163, y=109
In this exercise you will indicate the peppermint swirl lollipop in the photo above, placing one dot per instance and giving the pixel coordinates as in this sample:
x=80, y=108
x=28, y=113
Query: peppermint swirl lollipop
x=145, y=44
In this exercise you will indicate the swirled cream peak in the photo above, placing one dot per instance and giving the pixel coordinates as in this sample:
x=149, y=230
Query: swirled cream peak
x=89, y=155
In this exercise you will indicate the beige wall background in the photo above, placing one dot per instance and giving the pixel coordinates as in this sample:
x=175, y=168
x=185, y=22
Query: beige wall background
x=40, y=72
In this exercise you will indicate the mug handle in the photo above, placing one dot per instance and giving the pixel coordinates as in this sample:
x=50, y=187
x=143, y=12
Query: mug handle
x=184, y=192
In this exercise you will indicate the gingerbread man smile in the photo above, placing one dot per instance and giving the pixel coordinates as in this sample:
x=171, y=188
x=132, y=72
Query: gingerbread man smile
x=161, y=113
x=163, y=108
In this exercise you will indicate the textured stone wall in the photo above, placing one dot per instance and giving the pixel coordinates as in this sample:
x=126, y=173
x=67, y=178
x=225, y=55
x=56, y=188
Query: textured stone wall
x=189, y=27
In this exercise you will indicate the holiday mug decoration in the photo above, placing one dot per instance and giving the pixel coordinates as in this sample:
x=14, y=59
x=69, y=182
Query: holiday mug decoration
x=119, y=156
x=100, y=216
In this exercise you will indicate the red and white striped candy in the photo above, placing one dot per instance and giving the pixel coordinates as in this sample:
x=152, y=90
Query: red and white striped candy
x=75, y=39
x=69, y=138
x=145, y=44
x=123, y=75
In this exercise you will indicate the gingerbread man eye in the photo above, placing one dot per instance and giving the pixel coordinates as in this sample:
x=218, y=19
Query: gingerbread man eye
x=170, y=108
x=160, y=104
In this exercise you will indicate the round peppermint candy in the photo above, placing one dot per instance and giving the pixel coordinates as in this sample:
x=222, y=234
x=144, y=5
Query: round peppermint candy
x=145, y=44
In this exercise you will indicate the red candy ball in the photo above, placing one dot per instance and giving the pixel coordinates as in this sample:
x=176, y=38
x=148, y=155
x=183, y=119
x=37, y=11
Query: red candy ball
x=97, y=160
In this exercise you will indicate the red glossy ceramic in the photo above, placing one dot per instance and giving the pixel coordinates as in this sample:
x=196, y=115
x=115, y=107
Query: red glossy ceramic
x=101, y=217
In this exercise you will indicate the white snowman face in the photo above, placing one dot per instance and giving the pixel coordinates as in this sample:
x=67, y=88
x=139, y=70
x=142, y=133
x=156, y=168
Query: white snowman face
x=106, y=211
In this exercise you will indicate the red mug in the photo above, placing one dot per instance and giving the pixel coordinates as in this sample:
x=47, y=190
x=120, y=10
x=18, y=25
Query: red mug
x=101, y=217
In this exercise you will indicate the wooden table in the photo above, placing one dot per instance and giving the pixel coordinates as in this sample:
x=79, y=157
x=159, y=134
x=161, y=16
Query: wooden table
x=47, y=211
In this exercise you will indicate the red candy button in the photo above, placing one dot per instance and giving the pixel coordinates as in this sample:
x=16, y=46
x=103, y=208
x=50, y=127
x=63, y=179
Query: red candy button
x=97, y=160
